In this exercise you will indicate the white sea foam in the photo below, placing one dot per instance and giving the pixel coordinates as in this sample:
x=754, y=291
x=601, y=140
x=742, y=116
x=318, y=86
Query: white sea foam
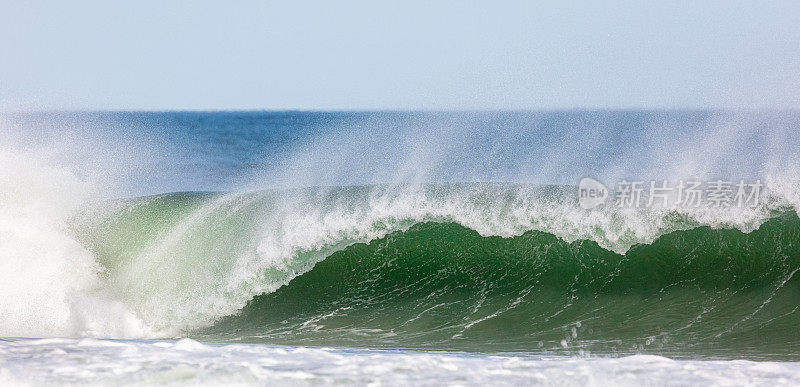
x=102, y=362
x=51, y=283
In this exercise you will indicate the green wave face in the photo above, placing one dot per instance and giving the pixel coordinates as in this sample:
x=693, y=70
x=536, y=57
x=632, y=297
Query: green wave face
x=693, y=293
x=371, y=267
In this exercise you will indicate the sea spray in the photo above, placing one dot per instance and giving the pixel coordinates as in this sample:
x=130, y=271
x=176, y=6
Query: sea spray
x=52, y=284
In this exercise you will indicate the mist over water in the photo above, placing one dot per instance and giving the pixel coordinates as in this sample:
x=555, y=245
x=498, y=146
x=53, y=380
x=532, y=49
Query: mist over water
x=197, y=151
x=166, y=224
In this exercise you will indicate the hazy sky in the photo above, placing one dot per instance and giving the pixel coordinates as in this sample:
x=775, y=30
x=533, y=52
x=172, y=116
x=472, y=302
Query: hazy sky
x=398, y=55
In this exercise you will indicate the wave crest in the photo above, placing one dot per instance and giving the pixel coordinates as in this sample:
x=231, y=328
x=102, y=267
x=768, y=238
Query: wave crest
x=182, y=261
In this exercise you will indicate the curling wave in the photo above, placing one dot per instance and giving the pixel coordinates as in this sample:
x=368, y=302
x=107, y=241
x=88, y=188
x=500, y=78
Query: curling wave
x=499, y=266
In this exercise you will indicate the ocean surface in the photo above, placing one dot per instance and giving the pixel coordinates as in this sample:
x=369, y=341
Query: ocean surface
x=399, y=248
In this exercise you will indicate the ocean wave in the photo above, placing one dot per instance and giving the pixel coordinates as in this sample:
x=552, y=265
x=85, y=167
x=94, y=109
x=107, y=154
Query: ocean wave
x=183, y=261
x=489, y=257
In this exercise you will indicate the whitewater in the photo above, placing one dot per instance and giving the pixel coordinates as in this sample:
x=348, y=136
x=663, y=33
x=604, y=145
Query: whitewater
x=394, y=248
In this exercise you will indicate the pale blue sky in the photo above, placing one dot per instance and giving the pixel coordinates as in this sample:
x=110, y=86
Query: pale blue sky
x=398, y=55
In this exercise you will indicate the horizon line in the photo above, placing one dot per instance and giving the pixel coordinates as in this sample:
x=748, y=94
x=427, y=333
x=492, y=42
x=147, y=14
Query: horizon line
x=522, y=110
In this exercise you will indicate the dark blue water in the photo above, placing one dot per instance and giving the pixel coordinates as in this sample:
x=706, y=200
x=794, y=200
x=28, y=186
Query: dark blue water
x=211, y=151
